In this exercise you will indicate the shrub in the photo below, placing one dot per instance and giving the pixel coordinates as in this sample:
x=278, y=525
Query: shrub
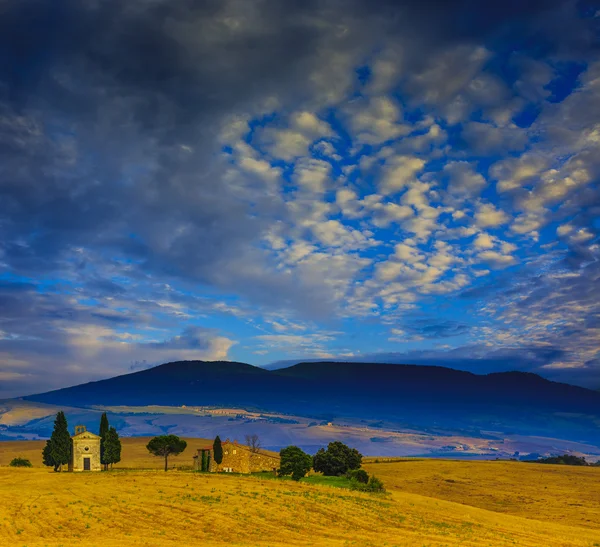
x=374, y=485
x=337, y=460
x=565, y=459
x=20, y=462
x=359, y=475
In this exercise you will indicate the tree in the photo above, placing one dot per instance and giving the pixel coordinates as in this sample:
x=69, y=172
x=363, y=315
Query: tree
x=294, y=462
x=57, y=451
x=104, y=427
x=46, y=454
x=337, y=460
x=112, y=447
x=253, y=443
x=165, y=445
x=218, y=451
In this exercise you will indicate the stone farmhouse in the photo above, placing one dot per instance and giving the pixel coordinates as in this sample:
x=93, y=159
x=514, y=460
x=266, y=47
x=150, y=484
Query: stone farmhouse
x=85, y=455
x=237, y=458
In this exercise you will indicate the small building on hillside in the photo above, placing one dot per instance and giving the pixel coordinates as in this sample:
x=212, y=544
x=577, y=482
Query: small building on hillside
x=85, y=453
x=237, y=458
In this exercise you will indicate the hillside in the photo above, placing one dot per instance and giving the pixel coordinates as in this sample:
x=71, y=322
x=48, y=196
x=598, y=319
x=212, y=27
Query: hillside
x=183, y=508
x=420, y=396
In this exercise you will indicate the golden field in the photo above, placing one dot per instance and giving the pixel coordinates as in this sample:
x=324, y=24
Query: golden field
x=429, y=503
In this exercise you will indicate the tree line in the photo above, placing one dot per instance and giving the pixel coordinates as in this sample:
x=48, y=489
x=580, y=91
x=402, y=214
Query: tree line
x=338, y=460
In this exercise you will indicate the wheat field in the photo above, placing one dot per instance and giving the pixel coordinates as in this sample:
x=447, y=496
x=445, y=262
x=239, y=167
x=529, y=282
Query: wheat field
x=429, y=503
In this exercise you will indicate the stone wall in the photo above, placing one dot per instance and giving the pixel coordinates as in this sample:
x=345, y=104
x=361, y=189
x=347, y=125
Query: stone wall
x=238, y=458
x=86, y=445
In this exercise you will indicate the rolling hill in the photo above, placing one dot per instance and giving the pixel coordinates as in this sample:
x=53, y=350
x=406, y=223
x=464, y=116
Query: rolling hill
x=421, y=396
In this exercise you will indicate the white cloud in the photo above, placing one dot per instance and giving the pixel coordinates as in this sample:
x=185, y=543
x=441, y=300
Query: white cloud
x=496, y=259
x=487, y=216
x=293, y=141
x=463, y=180
x=487, y=138
x=312, y=175
x=484, y=241
x=399, y=173
x=513, y=173
x=376, y=120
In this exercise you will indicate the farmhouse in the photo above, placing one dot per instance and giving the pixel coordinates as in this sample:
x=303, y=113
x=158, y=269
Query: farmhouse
x=237, y=458
x=85, y=455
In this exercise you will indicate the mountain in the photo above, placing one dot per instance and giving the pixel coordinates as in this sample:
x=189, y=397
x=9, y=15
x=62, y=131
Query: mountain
x=410, y=395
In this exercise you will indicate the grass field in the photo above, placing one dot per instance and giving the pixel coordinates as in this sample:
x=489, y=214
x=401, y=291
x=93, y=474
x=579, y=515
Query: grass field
x=551, y=493
x=429, y=503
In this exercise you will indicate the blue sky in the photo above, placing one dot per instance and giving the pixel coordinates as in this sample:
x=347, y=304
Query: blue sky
x=265, y=181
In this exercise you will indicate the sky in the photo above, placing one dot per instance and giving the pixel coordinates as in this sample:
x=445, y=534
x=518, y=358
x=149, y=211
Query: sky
x=270, y=180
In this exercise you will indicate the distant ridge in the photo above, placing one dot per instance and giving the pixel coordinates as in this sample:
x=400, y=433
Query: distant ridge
x=422, y=395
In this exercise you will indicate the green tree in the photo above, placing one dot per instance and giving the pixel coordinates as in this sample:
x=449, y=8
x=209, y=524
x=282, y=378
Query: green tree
x=337, y=460
x=205, y=460
x=165, y=445
x=112, y=447
x=294, y=462
x=57, y=451
x=218, y=451
x=104, y=427
x=46, y=454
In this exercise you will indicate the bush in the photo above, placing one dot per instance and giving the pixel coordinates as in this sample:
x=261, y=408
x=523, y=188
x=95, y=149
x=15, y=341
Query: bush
x=20, y=462
x=337, y=460
x=359, y=475
x=565, y=459
x=374, y=485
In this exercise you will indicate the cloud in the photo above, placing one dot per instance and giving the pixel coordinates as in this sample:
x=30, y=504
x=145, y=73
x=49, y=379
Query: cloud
x=377, y=121
x=463, y=180
x=488, y=216
x=171, y=164
x=400, y=172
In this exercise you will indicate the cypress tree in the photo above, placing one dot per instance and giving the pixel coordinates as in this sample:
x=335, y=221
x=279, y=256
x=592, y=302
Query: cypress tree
x=218, y=451
x=104, y=427
x=112, y=449
x=47, y=454
x=59, y=451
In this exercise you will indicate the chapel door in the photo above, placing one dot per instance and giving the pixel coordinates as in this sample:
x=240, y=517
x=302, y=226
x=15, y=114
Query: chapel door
x=86, y=464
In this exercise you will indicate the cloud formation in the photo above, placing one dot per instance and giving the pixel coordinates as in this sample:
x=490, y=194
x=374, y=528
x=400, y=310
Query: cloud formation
x=235, y=178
